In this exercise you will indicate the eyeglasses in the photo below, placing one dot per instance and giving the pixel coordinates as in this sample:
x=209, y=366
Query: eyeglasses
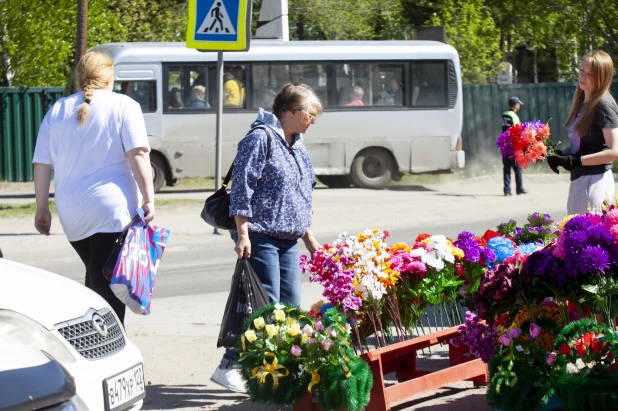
x=312, y=117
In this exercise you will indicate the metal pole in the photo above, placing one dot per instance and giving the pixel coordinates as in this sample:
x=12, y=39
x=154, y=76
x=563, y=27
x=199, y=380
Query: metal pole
x=219, y=137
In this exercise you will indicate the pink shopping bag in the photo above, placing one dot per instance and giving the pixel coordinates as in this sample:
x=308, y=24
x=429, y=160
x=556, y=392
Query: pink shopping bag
x=133, y=275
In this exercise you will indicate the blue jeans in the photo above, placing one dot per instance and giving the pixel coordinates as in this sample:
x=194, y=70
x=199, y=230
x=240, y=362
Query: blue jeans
x=276, y=264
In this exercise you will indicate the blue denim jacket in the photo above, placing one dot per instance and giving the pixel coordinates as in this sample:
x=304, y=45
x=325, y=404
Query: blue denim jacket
x=275, y=193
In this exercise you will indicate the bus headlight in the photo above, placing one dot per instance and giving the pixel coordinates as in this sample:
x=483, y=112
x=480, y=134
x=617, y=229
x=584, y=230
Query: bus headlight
x=34, y=335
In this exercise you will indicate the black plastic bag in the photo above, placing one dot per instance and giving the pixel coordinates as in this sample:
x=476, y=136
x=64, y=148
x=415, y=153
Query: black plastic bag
x=247, y=294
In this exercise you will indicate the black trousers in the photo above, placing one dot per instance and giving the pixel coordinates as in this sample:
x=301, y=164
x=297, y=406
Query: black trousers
x=94, y=252
x=507, y=164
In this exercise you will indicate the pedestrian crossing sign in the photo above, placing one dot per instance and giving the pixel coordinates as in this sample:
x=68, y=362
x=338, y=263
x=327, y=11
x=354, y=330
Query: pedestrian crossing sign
x=219, y=25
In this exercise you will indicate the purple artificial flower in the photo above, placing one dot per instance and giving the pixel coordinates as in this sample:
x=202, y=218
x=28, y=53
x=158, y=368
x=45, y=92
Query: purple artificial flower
x=318, y=325
x=599, y=235
x=503, y=142
x=535, y=331
x=515, y=332
x=551, y=358
x=469, y=245
x=488, y=255
x=506, y=339
x=575, y=242
x=296, y=350
x=577, y=223
x=480, y=337
x=594, y=260
x=537, y=263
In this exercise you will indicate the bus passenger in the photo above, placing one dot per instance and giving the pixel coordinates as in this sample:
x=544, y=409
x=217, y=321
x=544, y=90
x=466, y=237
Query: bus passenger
x=198, y=96
x=357, y=97
x=233, y=89
x=175, y=99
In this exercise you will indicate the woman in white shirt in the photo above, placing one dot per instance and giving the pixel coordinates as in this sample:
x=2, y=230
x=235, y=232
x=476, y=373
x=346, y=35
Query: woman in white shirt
x=95, y=141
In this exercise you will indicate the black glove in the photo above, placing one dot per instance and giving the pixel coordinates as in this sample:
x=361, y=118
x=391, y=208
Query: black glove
x=552, y=162
x=568, y=162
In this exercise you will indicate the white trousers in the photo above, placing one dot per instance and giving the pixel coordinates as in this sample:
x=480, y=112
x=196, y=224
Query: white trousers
x=588, y=192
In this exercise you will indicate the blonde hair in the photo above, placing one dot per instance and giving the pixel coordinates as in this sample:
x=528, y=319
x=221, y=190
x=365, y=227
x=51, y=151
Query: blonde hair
x=602, y=70
x=296, y=97
x=94, y=71
x=197, y=90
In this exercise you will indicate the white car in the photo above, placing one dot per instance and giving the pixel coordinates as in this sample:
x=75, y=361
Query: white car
x=78, y=329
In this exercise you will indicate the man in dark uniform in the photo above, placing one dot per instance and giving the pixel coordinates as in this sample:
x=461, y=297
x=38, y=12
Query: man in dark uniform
x=510, y=118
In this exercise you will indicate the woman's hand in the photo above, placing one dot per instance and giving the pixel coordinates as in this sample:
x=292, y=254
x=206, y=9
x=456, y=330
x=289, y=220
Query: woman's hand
x=149, y=212
x=243, y=247
x=311, y=243
x=42, y=220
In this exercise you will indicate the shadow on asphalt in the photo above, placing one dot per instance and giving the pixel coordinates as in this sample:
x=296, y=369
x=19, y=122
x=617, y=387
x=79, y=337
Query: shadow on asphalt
x=185, y=191
x=469, y=195
x=167, y=397
x=408, y=188
x=470, y=402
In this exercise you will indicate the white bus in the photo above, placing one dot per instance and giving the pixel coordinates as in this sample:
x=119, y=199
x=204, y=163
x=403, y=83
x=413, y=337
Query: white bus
x=391, y=107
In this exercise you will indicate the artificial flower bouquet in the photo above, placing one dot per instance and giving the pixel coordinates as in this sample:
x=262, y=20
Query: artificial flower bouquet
x=584, y=364
x=526, y=143
x=284, y=352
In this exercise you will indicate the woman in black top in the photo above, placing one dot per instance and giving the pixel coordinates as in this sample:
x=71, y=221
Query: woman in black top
x=593, y=136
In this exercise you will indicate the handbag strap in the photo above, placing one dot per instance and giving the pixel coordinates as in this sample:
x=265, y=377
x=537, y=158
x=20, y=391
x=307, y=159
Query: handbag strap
x=228, y=176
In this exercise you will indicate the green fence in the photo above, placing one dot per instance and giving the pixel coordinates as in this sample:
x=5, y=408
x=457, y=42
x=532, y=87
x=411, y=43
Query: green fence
x=484, y=105
x=21, y=113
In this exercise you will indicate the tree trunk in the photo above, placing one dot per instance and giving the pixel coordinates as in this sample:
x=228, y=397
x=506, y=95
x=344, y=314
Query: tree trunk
x=82, y=29
x=80, y=43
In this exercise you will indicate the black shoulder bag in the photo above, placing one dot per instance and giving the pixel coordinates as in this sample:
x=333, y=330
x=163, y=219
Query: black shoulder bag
x=216, y=211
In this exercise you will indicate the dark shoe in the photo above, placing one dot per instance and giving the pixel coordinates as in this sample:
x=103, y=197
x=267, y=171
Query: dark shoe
x=522, y=192
x=508, y=194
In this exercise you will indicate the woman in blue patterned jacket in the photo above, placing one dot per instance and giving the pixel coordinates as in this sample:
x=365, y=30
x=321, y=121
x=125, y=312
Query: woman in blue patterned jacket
x=272, y=189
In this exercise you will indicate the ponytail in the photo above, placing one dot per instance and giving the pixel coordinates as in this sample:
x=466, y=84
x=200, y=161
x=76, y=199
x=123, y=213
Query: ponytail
x=94, y=72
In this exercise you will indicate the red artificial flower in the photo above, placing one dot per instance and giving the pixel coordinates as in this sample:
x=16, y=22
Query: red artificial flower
x=597, y=347
x=588, y=338
x=386, y=234
x=564, y=349
x=581, y=349
x=610, y=355
x=459, y=270
x=515, y=130
x=489, y=234
x=421, y=237
x=612, y=366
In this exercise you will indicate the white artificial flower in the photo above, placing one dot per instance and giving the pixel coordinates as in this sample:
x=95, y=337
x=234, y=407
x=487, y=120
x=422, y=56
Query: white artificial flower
x=418, y=252
x=437, y=264
x=279, y=306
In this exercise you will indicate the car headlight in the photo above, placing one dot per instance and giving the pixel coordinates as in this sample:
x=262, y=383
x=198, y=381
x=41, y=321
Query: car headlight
x=74, y=404
x=34, y=335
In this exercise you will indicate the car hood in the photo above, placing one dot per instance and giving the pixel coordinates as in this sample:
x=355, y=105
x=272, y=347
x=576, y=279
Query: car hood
x=45, y=297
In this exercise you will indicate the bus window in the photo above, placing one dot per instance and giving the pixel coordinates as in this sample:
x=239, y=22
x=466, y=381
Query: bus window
x=388, y=84
x=141, y=91
x=269, y=78
x=353, y=83
x=190, y=87
x=428, y=84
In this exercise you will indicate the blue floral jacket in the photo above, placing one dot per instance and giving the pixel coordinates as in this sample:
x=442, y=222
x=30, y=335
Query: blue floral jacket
x=275, y=193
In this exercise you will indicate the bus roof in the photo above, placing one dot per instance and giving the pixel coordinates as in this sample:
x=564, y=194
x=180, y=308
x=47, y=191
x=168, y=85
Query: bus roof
x=277, y=50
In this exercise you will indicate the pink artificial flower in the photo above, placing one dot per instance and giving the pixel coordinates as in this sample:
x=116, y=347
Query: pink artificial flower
x=551, y=359
x=296, y=350
x=327, y=344
x=307, y=330
x=515, y=332
x=535, y=331
x=318, y=325
x=506, y=339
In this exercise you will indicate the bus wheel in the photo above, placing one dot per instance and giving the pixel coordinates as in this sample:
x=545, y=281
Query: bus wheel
x=336, y=181
x=158, y=171
x=372, y=168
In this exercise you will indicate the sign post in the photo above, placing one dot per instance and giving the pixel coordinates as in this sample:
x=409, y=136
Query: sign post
x=219, y=25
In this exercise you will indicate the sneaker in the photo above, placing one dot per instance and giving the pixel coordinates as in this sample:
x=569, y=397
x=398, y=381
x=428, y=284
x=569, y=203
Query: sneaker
x=230, y=379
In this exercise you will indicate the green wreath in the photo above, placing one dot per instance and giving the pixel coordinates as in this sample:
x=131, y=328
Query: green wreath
x=579, y=392
x=273, y=378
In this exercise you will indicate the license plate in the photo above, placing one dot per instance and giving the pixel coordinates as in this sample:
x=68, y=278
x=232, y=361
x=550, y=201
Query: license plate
x=124, y=389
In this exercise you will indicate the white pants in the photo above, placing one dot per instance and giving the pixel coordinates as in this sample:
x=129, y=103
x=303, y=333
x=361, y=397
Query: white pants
x=589, y=192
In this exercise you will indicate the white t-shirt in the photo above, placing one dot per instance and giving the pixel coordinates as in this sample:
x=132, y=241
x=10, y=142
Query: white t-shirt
x=95, y=188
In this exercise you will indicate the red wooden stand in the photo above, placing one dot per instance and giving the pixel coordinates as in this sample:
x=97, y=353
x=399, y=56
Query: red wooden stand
x=401, y=359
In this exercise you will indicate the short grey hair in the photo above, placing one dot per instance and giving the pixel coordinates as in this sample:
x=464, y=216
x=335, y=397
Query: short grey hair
x=357, y=90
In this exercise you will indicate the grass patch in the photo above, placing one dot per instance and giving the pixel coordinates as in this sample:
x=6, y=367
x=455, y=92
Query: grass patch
x=196, y=183
x=179, y=202
x=29, y=209
x=22, y=210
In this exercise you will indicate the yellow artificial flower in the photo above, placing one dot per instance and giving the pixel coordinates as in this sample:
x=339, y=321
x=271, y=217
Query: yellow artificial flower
x=457, y=252
x=272, y=330
x=250, y=335
x=259, y=323
x=304, y=338
x=401, y=247
x=279, y=315
x=290, y=321
x=294, y=329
